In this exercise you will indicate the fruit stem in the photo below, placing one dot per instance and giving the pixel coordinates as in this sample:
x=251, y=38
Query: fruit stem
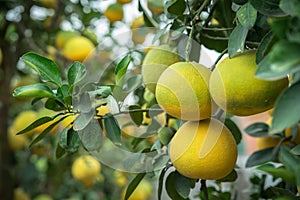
x=218, y=59
x=204, y=189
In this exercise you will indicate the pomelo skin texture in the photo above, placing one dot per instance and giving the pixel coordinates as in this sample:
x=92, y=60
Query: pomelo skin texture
x=237, y=91
x=156, y=61
x=182, y=91
x=203, y=150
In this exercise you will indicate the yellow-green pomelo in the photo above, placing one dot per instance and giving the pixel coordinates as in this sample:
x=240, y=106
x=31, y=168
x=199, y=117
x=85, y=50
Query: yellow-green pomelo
x=63, y=36
x=114, y=12
x=203, y=150
x=78, y=48
x=23, y=120
x=157, y=60
x=182, y=91
x=236, y=90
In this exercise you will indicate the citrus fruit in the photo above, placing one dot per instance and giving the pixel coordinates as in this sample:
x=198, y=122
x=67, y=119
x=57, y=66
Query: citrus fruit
x=182, y=91
x=123, y=1
x=48, y=3
x=86, y=169
x=267, y=142
x=20, y=194
x=203, y=150
x=142, y=192
x=156, y=6
x=23, y=120
x=78, y=48
x=138, y=31
x=63, y=36
x=157, y=60
x=120, y=178
x=102, y=110
x=237, y=91
x=43, y=197
x=114, y=12
x=16, y=142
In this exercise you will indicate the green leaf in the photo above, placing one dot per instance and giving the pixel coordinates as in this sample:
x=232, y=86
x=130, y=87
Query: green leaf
x=268, y=7
x=73, y=141
x=46, y=131
x=234, y=129
x=247, y=15
x=281, y=192
x=291, y=7
x=296, y=150
x=121, y=69
x=91, y=136
x=160, y=33
x=182, y=185
x=136, y=116
x=165, y=134
x=35, y=124
x=63, y=138
x=170, y=187
x=38, y=90
x=265, y=46
x=258, y=129
x=102, y=92
x=286, y=105
x=279, y=26
x=76, y=73
x=231, y=177
x=45, y=67
x=161, y=182
x=133, y=83
x=83, y=119
x=133, y=184
x=112, y=128
x=175, y=8
x=54, y=104
x=64, y=95
x=278, y=172
x=237, y=40
x=59, y=151
x=260, y=157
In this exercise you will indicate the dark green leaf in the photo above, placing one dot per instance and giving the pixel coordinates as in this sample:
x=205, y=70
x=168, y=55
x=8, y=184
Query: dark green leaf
x=296, y=150
x=133, y=83
x=290, y=7
x=230, y=177
x=293, y=31
x=170, y=187
x=268, y=7
x=265, y=46
x=278, y=172
x=46, y=68
x=46, y=131
x=161, y=182
x=182, y=185
x=59, y=152
x=234, y=129
x=175, y=7
x=136, y=116
x=165, y=135
x=133, y=184
x=286, y=105
x=91, y=136
x=281, y=192
x=73, y=141
x=247, y=15
x=260, y=157
x=258, y=129
x=237, y=40
x=279, y=26
x=76, y=73
x=112, y=128
x=35, y=124
x=53, y=104
x=101, y=92
x=63, y=138
x=121, y=69
x=64, y=95
x=38, y=90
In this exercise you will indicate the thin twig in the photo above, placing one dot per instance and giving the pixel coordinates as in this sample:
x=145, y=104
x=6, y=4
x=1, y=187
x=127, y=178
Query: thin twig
x=204, y=189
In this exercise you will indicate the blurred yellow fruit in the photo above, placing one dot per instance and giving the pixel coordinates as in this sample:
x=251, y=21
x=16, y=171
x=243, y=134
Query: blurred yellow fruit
x=156, y=61
x=142, y=192
x=20, y=194
x=156, y=6
x=48, y=3
x=23, y=120
x=124, y=1
x=102, y=110
x=78, y=48
x=43, y=197
x=203, y=150
x=237, y=91
x=63, y=36
x=182, y=91
x=67, y=122
x=86, y=169
x=267, y=142
x=44, y=112
x=16, y=142
x=114, y=12
x=138, y=33
x=120, y=178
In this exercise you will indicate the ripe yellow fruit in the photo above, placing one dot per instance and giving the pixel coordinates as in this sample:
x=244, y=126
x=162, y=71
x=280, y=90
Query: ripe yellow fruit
x=16, y=142
x=23, y=120
x=235, y=89
x=102, y=110
x=63, y=36
x=114, y=12
x=138, y=33
x=142, y=192
x=20, y=194
x=86, y=169
x=156, y=6
x=203, y=150
x=124, y=1
x=182, y=91
x=78, y=48
x=157, y=60
x=267, y=142
x=48, y=3
x=120, y=178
